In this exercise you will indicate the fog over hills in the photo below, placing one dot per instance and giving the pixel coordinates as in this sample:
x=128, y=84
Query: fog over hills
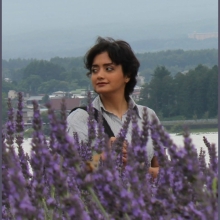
x=46, y=28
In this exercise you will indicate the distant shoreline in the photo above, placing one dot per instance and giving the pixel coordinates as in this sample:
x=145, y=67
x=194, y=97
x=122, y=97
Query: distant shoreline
x=197, y=131
x=194, y=126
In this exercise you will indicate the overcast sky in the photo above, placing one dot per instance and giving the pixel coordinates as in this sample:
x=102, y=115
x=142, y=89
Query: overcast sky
x=21, y=18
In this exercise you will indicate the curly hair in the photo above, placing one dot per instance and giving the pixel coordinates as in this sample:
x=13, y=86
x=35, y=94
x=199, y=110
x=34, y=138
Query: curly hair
x=120, y=53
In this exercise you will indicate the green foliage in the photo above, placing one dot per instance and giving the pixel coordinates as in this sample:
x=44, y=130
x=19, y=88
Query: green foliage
x=71, y=69
x=212, y=88
x=28, y=133
x=6, y=86
x=52, y=86
x=45, y=99
x=31, y=83
x=13, y=68
x=192, y=95
x=68, y=62
x=4, y=108
x=40, y=76
x=206, y=115
x=195, y=117
x=44, y=117
x=158, y=94
x=46, y=122
x=215, y=185
x=176, y=60
x=43, y=69
x=169, y=92
x=177, y=128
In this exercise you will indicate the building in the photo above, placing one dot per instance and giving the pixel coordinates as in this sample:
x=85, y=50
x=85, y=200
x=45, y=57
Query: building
x=38, y=99
x=203, y=36
x=136, y=93
x=7, y=80
x=58, y=94
x=12, y=94
x=69, y=102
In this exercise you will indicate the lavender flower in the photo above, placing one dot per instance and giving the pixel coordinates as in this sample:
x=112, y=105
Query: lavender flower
x=10, y=125
x=212, y=155
x=15, y=185
x=101, y=139
x=91, y=121
x=62, y=185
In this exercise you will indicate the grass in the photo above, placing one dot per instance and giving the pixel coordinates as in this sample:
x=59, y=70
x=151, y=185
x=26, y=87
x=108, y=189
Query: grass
x=203, y=130
x=196, y=131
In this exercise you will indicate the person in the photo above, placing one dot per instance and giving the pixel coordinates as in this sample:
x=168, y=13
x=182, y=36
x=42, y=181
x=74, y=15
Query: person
x=113, y=69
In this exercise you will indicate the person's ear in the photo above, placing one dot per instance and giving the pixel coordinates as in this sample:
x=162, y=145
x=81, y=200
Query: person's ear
x=127, y=79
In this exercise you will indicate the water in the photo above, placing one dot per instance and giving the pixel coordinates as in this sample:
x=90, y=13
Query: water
x=197, y=140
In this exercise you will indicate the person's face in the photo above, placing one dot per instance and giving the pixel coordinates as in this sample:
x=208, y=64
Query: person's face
x=107, y=77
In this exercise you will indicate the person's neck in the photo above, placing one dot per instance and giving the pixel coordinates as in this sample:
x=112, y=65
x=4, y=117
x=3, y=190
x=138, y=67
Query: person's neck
x=115, y=104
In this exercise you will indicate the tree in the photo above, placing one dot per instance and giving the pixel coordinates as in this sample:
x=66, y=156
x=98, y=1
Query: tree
x=48, y=87
x=180, y=93
x=53, y=86
x=158, y=94
x=43, y=69
x=45, y=99
x=31, y=84
x=6, y=86
x=144, y=94
x=212, y=94
x=190, y=95
x=200, y=95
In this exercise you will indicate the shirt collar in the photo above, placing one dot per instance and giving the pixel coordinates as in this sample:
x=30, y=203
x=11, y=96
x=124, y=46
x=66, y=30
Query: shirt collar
x=97, y=103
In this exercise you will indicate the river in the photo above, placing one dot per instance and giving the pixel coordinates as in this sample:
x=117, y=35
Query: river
x=197, y=140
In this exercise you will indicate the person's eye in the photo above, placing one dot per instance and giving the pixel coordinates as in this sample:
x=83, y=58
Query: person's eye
x=94, y=70
x=109, y=68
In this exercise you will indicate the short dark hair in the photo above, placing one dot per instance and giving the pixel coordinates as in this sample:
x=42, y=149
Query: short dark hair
x=120, y=53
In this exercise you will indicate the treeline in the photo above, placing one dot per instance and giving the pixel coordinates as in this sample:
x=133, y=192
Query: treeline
x=188, y=96
x=169, y=92
x=176, y=60
x=45, y=77
x=69, y=72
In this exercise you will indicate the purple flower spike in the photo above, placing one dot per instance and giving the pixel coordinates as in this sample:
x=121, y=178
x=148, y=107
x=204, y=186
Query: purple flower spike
x=102, y=138
x=212, y=155
x=19, y=200
x=19, y=116
x=91, y=121
x=10, y=126
x=122, y=133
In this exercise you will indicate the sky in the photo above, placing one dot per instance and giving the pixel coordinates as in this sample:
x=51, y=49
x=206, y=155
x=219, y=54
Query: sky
x=40, y=27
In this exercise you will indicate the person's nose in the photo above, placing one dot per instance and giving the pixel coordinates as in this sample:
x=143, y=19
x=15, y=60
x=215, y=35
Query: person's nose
x=101, y=73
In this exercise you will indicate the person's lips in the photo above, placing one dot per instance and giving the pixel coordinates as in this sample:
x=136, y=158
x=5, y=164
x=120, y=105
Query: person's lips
x=101, y=84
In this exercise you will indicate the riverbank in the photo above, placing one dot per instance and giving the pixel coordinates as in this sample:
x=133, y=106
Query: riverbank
x=197, y=131
x=200, y=125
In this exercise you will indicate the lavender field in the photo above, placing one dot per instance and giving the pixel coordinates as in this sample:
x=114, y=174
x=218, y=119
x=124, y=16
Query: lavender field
x=178, y=140
x=55, y=180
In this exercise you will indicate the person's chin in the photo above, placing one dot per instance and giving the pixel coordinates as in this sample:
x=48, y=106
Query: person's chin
x=101, y=90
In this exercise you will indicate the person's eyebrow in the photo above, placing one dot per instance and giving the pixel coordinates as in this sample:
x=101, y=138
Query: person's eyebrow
x=105, y=64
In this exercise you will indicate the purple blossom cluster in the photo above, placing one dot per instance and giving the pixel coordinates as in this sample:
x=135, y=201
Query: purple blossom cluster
x=56, y=181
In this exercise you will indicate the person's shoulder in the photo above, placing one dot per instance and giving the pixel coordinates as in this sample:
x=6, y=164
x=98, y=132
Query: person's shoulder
x=78, y=114
x=150, y=112
x=141, y=109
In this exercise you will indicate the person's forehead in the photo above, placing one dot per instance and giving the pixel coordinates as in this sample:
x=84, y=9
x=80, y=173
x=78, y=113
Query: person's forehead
x=102, y=58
